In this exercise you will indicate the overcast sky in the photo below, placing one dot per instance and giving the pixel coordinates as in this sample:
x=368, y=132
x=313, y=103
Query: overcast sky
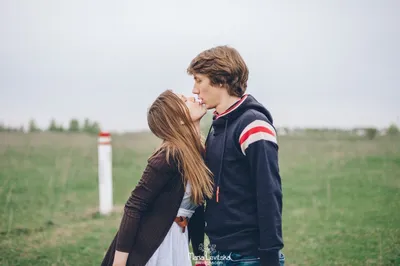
x=312, y=63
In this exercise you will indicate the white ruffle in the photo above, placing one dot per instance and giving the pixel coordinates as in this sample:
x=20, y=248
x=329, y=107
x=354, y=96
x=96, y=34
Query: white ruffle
x=174, y=250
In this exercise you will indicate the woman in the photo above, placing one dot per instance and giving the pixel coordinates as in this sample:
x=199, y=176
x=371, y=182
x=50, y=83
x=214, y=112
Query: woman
x=165, y=209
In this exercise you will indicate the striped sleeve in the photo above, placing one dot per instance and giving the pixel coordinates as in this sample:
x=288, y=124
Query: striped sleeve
x=256, y=131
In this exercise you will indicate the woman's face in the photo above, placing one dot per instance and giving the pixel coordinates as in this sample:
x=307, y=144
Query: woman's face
x=196, y=109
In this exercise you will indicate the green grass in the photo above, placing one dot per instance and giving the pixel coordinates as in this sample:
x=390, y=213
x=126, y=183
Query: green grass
x=341, y=198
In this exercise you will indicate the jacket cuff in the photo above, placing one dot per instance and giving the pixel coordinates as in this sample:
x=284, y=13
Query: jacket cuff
x=269, y=258
x=198, y=250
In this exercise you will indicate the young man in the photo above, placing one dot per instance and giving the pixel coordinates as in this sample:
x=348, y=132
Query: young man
x=243, y=220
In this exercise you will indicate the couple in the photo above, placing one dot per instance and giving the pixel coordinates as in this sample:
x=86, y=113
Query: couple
x=229, y=188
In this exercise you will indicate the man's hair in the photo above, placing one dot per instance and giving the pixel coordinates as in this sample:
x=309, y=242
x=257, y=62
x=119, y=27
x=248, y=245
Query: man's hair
x=222, y=65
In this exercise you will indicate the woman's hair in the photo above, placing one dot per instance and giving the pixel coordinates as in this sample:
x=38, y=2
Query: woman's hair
x=222, y=65
x=169, y=119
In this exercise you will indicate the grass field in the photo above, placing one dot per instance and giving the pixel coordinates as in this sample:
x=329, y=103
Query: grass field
x=341, y=198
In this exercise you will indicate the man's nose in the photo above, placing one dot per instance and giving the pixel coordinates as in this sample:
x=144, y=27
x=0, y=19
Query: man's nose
x=195, y=90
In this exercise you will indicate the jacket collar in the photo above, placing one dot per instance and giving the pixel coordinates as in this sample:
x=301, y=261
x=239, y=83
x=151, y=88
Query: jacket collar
x=232, y=108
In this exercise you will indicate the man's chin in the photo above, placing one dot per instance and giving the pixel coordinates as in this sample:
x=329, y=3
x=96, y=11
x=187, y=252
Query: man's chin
x=208, y=107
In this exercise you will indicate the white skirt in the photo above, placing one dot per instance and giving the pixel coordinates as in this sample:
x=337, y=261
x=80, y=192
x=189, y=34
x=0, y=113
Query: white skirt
x=174, y=250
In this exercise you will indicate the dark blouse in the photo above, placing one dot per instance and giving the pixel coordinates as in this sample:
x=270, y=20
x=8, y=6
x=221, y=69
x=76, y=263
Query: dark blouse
x=150, y=212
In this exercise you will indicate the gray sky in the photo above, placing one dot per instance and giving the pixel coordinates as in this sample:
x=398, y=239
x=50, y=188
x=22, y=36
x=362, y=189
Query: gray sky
x=312, y=63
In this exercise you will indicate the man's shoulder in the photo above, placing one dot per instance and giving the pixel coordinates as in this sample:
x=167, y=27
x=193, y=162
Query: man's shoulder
x=254, y=126
x=249, y=116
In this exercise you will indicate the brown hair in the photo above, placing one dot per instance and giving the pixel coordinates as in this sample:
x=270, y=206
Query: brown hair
x=169, y=119
x=222, y=65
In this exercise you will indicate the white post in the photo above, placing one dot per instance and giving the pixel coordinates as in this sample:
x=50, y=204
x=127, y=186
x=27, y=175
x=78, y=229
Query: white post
x=105, y=173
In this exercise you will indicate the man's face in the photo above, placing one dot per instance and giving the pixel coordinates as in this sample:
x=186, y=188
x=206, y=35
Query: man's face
x=208, y=94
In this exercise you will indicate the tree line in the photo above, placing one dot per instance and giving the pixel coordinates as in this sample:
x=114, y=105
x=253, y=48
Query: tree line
x=87, y=126
x=368, y=132
x=93, y=127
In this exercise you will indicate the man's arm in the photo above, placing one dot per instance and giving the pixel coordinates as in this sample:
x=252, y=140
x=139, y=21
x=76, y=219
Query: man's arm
x=259, y=144
x=196, y=231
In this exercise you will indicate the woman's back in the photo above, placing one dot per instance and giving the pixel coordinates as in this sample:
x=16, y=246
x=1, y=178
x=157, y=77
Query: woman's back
x=149, y=213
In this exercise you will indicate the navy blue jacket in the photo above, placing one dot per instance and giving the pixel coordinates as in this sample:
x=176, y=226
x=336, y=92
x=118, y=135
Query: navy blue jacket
x=245, y=213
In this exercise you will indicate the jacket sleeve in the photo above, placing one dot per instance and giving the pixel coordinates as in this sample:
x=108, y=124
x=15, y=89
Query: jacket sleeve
x=155, y=176
x=258, y=143
x=196, y=231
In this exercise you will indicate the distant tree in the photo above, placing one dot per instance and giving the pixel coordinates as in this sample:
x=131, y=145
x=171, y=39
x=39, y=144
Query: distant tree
x=87, y=126
x=4, y=128
x=371, y=132
x=90, y=127
x=95, y=128
x=32, y=126
x=14, y=129
x=53, y=126
x=392, y=130
x=286, y=130
x=60, y=128
x=74, y=126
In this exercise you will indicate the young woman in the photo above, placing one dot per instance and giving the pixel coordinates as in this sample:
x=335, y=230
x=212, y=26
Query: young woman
x=165, y=210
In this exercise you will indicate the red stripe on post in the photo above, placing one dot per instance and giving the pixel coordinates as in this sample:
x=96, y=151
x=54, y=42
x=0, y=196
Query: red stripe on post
x=104, y=134
x=253, y=131
x=105, y=143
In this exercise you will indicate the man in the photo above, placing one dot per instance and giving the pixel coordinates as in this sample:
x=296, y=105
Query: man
x=243, y=220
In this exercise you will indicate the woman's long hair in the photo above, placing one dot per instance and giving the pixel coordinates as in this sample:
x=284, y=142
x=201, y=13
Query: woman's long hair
x=169, y=119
